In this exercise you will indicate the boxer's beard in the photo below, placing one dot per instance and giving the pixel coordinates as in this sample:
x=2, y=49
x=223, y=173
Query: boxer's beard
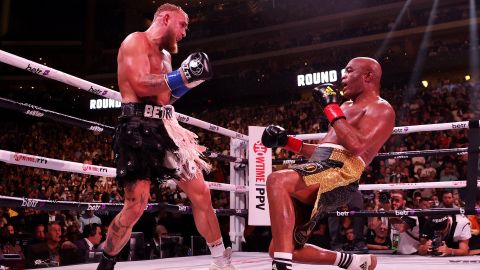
x=170, y=41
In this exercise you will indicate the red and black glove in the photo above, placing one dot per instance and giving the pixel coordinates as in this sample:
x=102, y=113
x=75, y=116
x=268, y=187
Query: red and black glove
x=276, y=136
x=330, y=99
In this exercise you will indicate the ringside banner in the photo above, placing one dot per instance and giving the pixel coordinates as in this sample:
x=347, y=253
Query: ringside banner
x=259, y=166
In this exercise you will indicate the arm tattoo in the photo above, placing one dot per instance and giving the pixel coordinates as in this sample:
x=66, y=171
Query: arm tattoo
x=152, y=80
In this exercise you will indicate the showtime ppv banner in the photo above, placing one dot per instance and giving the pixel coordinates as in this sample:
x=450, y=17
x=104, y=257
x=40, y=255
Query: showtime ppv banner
x=259, y=167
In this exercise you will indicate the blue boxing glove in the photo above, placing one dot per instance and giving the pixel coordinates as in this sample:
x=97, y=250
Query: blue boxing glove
x=196, y=69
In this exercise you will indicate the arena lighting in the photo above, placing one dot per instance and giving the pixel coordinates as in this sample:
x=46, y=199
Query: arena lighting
x=425, y=83
x=474, y=65
x=467, y=77
x=421, y=55
x=387, y=39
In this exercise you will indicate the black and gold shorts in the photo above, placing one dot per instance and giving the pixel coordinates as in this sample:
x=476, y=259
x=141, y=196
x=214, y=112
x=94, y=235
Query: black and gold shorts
x=335, y=170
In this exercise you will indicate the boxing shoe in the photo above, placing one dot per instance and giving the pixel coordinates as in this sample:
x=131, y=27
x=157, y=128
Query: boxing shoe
x=363, y=262
x=107, y=263
x=281, y=266
x=224, y=262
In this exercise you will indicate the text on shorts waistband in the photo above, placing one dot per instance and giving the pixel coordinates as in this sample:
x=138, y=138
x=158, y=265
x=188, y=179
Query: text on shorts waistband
x=158, y=112
x=148, y=110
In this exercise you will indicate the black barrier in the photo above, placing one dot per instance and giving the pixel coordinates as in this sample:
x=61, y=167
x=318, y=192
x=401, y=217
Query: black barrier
x=222, y=157
x=40, y=112
x=49, y=205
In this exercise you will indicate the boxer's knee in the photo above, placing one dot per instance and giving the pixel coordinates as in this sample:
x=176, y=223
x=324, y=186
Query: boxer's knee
x=201, y=197
x=282, y=180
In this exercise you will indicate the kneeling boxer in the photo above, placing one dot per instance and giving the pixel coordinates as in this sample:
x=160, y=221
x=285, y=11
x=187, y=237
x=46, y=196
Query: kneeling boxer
x=358, y=129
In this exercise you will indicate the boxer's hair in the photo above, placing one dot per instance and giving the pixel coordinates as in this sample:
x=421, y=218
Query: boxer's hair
x=166, y=8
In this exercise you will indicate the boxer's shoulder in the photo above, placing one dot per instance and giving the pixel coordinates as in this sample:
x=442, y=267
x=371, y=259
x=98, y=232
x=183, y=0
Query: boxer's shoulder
x=382, y=105
x=134, y=39
x=136, y=36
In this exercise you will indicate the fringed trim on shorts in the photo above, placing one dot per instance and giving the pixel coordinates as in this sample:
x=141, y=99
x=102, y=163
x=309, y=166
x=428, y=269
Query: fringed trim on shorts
x=189, y=154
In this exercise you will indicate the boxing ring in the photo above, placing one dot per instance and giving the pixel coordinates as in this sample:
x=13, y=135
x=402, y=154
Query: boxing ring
x=238, y=182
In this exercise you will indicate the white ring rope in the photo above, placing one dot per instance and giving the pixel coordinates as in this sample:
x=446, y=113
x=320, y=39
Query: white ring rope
x=68, y=166
x=400, y=130
x=96, y=89
x=420, y=185
x=75, y=167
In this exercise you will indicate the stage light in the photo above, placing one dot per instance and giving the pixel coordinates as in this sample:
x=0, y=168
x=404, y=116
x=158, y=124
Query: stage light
x=425, y=83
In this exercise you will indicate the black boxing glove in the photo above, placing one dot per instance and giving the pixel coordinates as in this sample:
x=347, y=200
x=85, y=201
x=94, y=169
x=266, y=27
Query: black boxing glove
x=196, y=69
x=329, y=98
x=276, y=136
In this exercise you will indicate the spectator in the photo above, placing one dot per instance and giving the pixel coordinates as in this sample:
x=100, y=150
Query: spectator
x=47, y=253
x=448, y=173
x=452, y=232
x=428, y=170
x=55, y=216
x=88, y=217
x=447, y=200
x=349, y=240
x=164, y=245
x=474, y=242
x=407, y=227
x=92, y=236
x=9, y=243
x=39, y=235
x=380, y=240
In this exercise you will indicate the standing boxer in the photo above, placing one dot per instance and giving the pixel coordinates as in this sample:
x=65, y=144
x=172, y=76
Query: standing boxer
x=149, y=143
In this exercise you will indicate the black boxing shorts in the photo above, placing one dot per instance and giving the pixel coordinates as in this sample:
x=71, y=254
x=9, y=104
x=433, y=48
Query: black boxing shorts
x=140, y=146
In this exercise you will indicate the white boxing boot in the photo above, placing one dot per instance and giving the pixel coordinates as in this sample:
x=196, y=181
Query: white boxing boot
x=223, y=262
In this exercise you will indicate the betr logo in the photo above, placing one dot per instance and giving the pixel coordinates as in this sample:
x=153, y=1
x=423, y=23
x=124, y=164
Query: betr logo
x=37, y=71
x=30, y=203
x=93, y=207
x=459, y=126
